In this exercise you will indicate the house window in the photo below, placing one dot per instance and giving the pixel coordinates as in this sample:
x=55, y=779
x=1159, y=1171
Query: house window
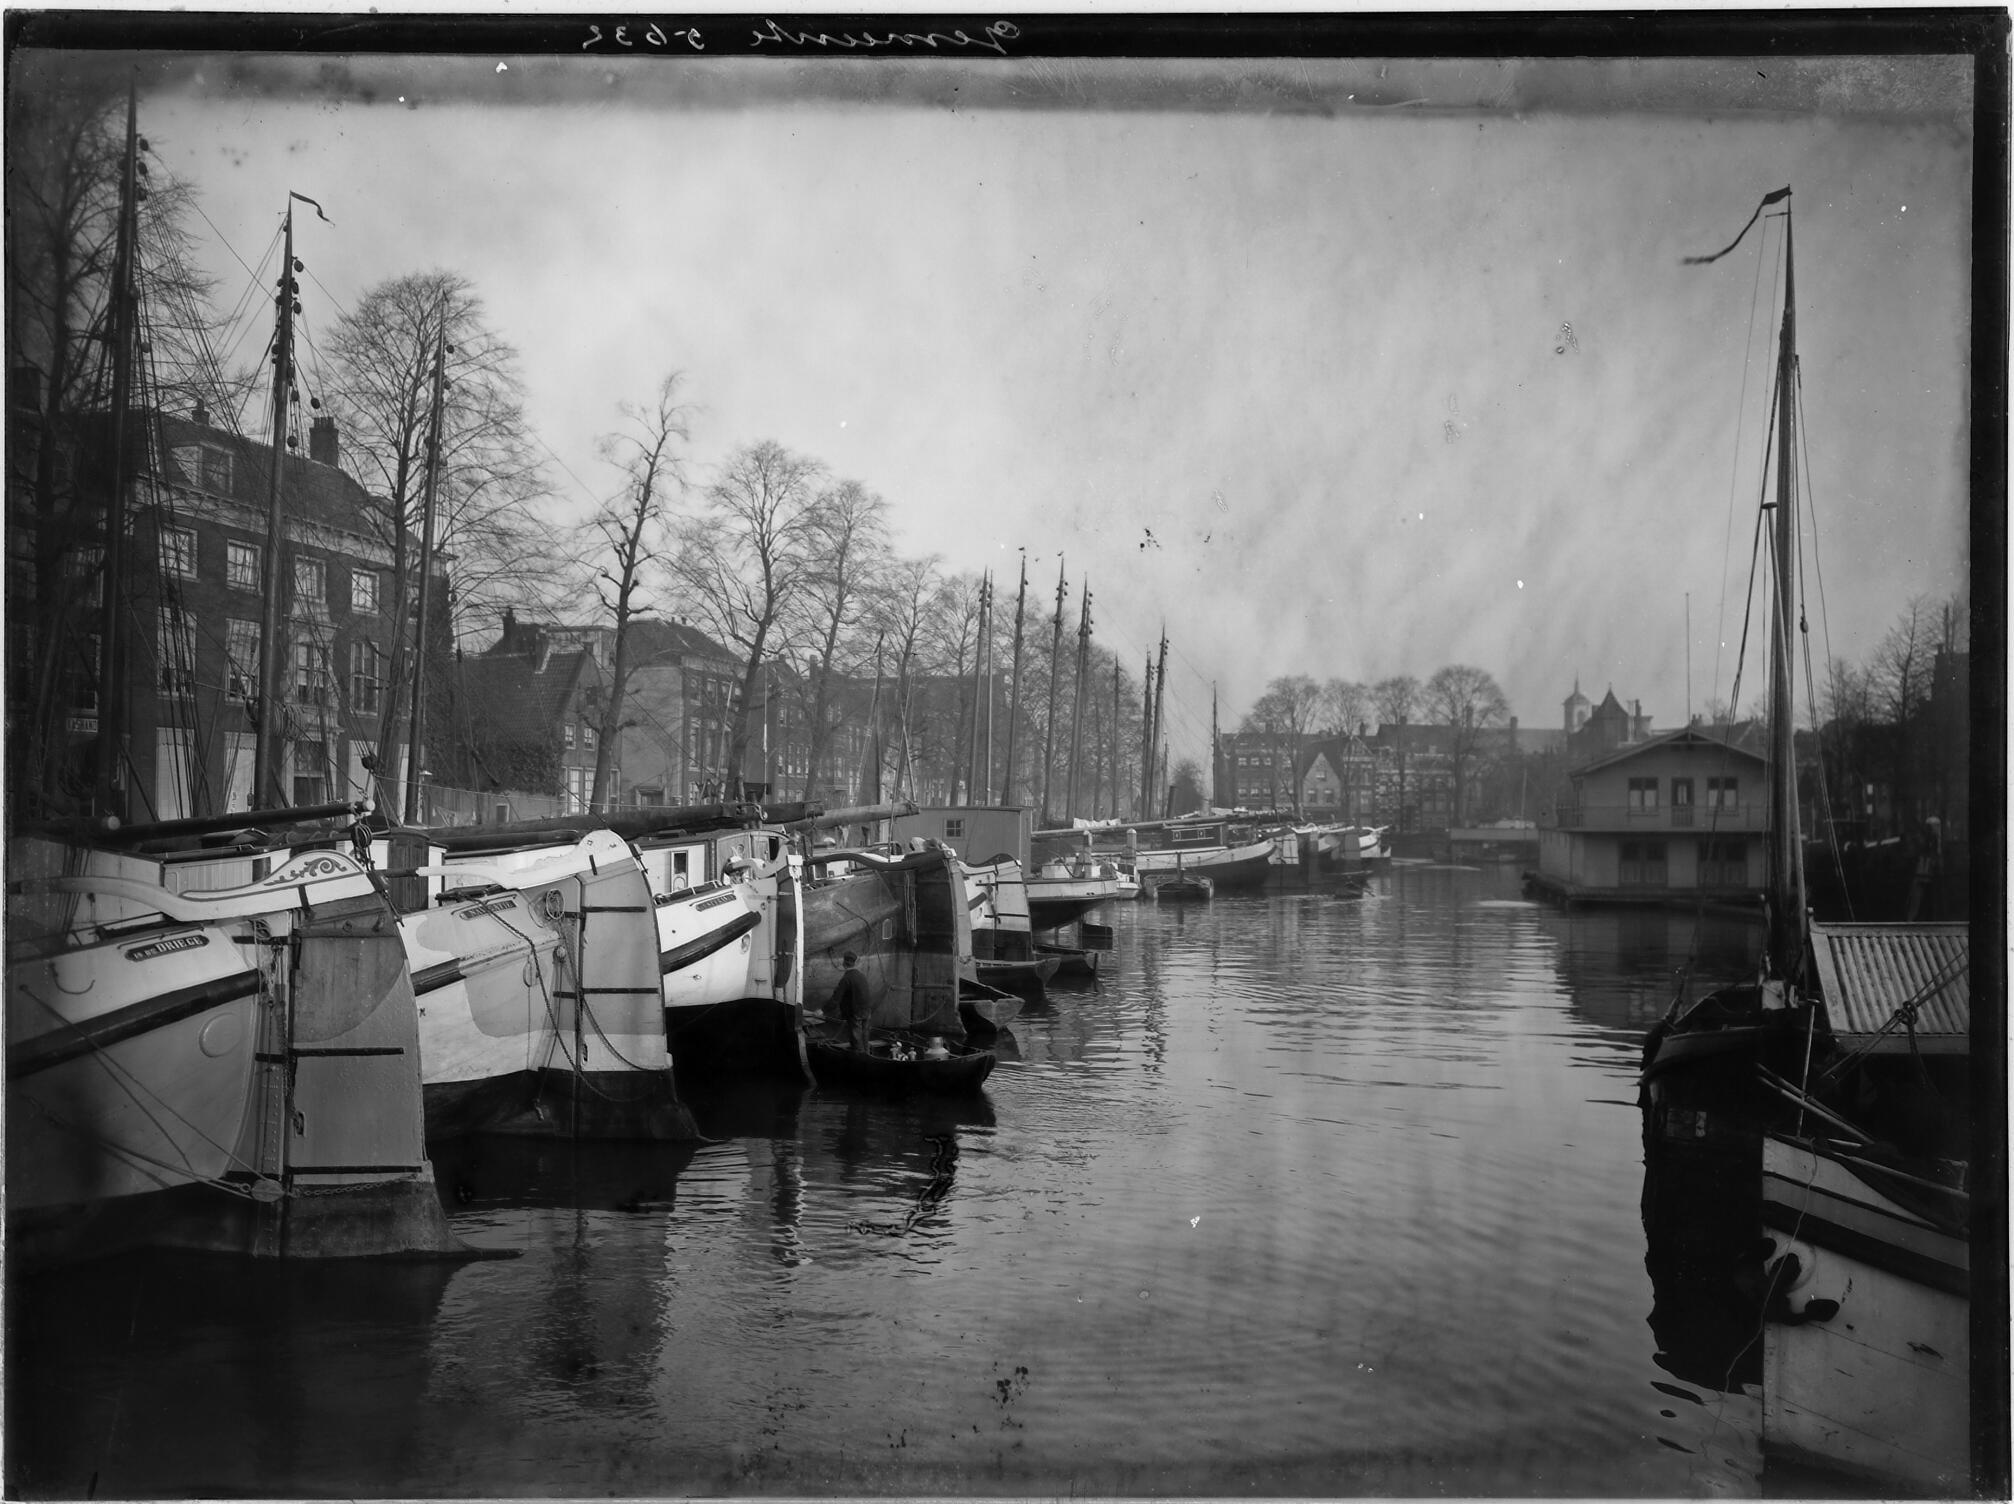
x=311, y=772
x=576, y=790
x=311, y=674
x=241, y=566
x=241, y=655
x=178, y=652
x=1643, y=793
x=1681, y=801
x=178, y=551
x=364, y=592
x=311, y=581
x=84, y=697
x=87, y=568
x=216, y=469
x=1642, y=865
x=1723, y=793
x=366, y=677
x=566, y=736
x=588, y=736
x=1723, y=864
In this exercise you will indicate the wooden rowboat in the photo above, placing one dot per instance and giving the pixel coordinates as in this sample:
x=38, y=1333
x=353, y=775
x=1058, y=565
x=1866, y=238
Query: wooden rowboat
x=836, y=1063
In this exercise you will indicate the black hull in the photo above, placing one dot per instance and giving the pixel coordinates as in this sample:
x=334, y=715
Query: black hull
x=562, y=1104
x=751, y=1038
x=398, y=1218
x=1050, y=913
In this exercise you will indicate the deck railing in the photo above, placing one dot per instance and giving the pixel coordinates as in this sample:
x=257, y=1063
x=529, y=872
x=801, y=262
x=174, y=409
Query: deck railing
x=1727, y=820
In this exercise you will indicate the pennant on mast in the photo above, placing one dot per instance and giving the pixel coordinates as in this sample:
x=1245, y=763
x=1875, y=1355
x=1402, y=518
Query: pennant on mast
x=1767, y=199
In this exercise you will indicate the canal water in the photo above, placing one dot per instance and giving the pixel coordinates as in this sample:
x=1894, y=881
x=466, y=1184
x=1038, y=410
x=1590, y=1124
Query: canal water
x=1308, y=1195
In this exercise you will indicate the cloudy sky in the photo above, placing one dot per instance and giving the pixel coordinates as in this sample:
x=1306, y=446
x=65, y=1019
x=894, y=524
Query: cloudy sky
x=1345, y=368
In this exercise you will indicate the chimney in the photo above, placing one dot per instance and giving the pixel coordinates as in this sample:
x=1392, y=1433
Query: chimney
x=322, y=445
x=200, y=415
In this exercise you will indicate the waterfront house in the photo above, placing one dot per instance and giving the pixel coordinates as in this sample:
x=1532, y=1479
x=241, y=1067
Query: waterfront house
x=1673, y=818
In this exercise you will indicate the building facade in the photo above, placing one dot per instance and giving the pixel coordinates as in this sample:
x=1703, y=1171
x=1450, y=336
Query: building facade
x=1677, y=817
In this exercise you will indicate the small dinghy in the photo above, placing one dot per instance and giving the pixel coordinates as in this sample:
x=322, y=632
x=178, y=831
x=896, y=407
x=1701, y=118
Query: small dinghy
x=898, y=1062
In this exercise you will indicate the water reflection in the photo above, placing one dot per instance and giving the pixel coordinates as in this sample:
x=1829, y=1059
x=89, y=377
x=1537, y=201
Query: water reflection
x=1303, y=1196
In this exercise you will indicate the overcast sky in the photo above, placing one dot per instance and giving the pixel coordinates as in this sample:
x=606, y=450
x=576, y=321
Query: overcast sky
x=1336, y=368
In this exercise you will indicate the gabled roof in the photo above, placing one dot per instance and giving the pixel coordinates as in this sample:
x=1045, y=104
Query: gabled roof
x=655, y=639
x=512, y=697
x=1683, y=736
x=321, y=493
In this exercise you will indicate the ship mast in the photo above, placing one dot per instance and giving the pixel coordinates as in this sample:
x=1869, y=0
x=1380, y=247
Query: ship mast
x=111, y=668
x=266, y=751
x=1077, y=708
x=1014, y=703
x=1786, y=921
x=417, y=744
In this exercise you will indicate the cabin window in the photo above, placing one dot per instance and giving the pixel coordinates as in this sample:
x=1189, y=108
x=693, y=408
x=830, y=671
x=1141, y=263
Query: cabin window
x=178, y=652
x=1723, y=864
x=681, y=870
x=954, y=828
x=1643, y=793
x=311, y=674
x=1723, y=793
x=311, y=581
x=241, y=659
x=364, y=592
x=366, y=677
x=1681, y=801
x=241, y=566
x=1642, y=865
x=178, y=551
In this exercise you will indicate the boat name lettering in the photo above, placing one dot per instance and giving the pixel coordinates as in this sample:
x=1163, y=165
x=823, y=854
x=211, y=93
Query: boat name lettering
x=166, y=947
x=994, y=39
x=488, y=906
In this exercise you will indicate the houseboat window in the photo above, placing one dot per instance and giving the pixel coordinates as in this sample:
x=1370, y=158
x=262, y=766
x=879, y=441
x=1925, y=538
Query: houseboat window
x=1643, y=793
x=178, y=551
x=954, y=828
x=1642, y=865
x=1681, y=792
x=1723, y=793
x=241, y=566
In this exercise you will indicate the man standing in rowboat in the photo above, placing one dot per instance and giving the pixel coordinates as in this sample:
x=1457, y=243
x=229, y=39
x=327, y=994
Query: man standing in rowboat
x=850, y=1001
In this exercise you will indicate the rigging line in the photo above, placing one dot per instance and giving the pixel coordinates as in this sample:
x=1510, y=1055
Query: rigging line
x=1741, y=420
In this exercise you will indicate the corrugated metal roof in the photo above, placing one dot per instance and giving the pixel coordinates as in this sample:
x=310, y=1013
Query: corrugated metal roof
x=1868, y=971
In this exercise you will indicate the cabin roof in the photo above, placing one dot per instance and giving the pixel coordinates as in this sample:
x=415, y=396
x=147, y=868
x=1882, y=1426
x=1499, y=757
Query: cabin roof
x=1867, y=972
x=1683, y=736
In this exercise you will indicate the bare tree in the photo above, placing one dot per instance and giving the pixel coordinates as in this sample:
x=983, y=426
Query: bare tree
x=626, y=535
x=900, y=610
x=1470, y=702
x=381, y=392
x=1397, y=700
x=1899, y=676
x=1285, y=714
x=1346, y=705
x=744, y=557
x=847, y=542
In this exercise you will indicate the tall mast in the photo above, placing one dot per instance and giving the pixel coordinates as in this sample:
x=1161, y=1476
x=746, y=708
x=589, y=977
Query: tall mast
x=1145, y=809
x=1014, y=702
x=1160, y=717
x=978, y=774
x=1786, y=899
x=986, y=693
x=1077, y=709
x=873, y=790
x=266, y=739
x=1055, y=662
x=111, y=667
x=1213, y=744
x=416, y=747
x=1115, y=735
